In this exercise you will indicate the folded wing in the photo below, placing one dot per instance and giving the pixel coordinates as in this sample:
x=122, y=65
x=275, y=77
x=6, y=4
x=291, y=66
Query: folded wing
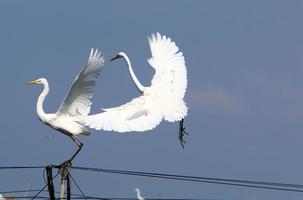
x=77, y=102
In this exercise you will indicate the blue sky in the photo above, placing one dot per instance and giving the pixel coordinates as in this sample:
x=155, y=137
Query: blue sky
x=245, y=92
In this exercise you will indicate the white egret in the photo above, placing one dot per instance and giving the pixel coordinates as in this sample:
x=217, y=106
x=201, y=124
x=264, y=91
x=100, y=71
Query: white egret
x=162, y=100
x=139, y=197
x=77, y=103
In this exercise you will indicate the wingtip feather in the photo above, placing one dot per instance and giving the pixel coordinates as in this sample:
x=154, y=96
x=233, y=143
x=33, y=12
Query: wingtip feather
x=91, y=52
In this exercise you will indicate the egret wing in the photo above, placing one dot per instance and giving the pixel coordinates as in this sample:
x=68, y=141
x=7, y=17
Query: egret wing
x=140, y=114
x=77, y=102
x=169, y=64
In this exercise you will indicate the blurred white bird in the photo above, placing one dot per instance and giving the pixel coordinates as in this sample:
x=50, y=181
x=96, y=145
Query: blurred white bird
x=162, y=100
x=77, y=103
x=1, y=197
x=139, y=197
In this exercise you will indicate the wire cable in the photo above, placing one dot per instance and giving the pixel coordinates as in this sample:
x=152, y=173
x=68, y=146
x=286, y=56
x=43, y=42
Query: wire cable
x=117, y=198
x=44, y=187
x=43, y=175
x=128, y=198
x=77, y=185
x=17, y=191
x=191, y=177
x=38, y=197
x=21, y=167
x=232, y=182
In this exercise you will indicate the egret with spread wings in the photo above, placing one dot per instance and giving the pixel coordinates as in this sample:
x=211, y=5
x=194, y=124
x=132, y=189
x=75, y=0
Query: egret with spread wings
x=77, y=103
x=162, y=100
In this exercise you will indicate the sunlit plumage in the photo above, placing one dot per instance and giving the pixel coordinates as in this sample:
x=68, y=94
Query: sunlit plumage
x=77, y=103
x=162, y=100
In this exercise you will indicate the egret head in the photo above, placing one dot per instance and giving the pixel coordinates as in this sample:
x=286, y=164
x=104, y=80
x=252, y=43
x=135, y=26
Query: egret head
x=118, y=55
x=37, y=81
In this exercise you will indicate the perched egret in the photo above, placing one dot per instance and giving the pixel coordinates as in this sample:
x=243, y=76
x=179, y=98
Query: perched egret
x=77, y=103
x=162, y=100
x=139, y=197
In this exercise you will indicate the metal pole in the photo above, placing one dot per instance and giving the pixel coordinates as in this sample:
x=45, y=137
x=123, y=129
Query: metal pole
x=50, y=183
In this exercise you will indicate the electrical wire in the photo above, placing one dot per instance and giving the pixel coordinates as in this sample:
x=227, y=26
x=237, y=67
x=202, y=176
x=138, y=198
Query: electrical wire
x=31, y=197
x=43, y=175
x=77, y=185
x=114, y=198
x=127, y=198
x=231, y=182
x=45, y=186
x=17, y=191
x=21, y=167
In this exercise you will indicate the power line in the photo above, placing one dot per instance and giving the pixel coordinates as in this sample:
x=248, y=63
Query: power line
x=128, y=198
x=137, y=173
x=190, y=177
x=113, y=198
x=77, y=185
x=21, y=167
x=80, y=196
x=231, y=182
x=17, y=191
x=32, y=197
x=44, y=187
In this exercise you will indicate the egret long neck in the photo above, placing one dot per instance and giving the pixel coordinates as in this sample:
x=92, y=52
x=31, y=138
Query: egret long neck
x=132, y=74
x=40, y=110
x=139, y=194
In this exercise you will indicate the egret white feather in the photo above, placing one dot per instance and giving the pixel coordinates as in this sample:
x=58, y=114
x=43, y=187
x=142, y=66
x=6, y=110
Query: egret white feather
x=162, y=100
x=76, y=105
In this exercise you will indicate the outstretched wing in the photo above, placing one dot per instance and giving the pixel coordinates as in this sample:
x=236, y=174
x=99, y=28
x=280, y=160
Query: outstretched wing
x=140, y=114
x=77, y=102
x=169, y=64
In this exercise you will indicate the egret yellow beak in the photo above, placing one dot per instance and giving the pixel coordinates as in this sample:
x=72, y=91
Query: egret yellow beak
x=32, y=82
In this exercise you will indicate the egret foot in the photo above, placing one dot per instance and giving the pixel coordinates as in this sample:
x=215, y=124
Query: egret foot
x=182, y=132
x=66, y=163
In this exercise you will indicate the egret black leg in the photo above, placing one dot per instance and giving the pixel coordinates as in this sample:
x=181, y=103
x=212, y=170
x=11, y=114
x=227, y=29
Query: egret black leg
x=79, y=144
x=182, y=132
